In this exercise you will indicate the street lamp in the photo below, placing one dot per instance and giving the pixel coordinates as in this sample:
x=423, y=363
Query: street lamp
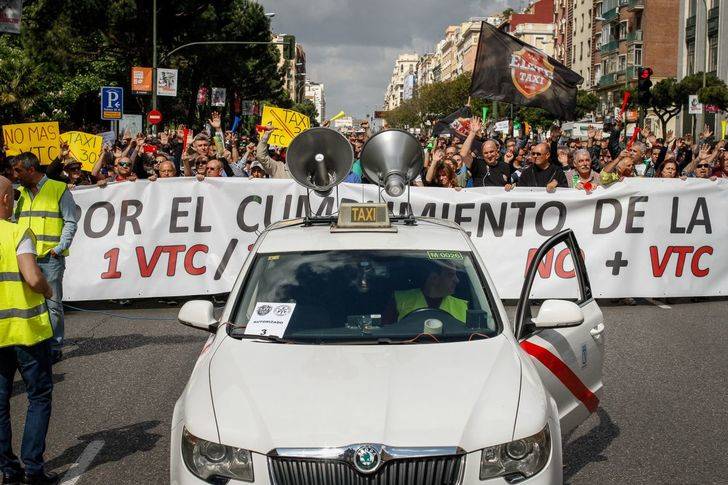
x=154, y=50
x=701, y=125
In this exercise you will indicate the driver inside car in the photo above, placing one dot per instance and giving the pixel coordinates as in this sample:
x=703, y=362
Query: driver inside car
x=436, y=292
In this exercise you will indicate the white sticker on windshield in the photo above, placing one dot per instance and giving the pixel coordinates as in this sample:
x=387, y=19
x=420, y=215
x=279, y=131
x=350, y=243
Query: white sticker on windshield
x=270, y=319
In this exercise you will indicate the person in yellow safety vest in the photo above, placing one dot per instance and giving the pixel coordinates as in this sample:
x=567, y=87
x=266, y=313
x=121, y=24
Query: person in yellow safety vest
x=436, y=292
x=25, y=338
x=46, y=207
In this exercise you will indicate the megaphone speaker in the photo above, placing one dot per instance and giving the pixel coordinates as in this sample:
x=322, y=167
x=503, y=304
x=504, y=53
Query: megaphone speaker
x=392, y=159
x=320, y=159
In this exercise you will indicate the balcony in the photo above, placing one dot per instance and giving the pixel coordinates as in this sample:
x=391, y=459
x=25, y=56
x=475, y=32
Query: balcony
x=609, y=47
x=635, y=5
x=619, y=77
x=607, y=79
x=634, y=36
x=713, y=21
x=611, y=15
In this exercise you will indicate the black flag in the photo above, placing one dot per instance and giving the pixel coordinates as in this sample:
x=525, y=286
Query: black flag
x=509, y=70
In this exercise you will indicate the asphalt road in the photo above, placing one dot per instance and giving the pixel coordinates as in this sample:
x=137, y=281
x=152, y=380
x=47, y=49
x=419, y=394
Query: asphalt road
x=662, y=419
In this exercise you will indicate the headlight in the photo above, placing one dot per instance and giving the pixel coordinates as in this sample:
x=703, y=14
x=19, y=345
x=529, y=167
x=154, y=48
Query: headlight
x=517, y=460
x=209, y=460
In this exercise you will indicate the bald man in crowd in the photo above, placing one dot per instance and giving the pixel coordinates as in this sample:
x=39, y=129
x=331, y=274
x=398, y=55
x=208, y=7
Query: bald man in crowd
x=490, y=170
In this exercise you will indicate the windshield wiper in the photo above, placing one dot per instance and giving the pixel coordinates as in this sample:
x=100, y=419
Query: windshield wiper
x=267, y=338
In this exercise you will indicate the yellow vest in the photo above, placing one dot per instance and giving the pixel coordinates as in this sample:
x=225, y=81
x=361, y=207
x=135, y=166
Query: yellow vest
x=24, y=316
x=42, y=215
x=410, y=300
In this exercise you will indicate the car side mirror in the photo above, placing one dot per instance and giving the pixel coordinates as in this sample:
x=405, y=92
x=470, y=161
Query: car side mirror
x=198, y=314
x=558, y=313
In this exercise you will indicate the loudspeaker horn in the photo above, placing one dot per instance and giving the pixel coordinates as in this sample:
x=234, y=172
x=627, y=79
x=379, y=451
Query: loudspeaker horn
x=392, y=159
x=320, y=159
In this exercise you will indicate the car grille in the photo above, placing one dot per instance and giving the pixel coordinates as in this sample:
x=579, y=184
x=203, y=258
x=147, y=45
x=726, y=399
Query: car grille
x=439, y=470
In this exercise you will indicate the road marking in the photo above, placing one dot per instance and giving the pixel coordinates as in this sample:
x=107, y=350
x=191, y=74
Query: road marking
x=73, y=475
x=657, y=303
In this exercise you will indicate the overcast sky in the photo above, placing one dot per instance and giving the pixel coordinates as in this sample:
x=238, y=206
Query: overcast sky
x=351, y=45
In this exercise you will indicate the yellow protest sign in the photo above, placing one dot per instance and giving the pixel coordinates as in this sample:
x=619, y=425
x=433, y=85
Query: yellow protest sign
x=289, y=123
x=38, y=138
x=84, y=147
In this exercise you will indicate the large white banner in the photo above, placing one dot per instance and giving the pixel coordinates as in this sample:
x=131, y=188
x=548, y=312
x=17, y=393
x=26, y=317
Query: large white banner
x=175, y=237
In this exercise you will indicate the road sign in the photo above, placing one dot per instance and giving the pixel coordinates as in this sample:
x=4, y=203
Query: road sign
x=112, y=103
x=154, y=117
x=695, y=107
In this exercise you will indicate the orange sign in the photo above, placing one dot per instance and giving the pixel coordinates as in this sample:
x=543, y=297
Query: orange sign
x=141, y=79
x=531, y=72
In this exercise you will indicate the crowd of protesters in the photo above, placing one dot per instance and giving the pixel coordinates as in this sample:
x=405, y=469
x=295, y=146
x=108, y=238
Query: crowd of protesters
x=481, y=158
x=552, y=160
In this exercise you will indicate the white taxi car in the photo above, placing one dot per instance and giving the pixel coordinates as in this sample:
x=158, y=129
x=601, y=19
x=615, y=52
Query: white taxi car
x=342, y=388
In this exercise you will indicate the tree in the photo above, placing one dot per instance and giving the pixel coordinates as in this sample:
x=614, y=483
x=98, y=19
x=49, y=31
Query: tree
x=306, y=107
x=586, y=103
x=669, y=95
x=666, y=102
x=77, y=57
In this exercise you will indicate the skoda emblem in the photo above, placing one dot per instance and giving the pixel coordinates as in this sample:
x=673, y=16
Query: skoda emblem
x=366, y=458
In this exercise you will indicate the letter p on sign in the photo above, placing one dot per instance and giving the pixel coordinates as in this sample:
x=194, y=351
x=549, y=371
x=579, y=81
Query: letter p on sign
x=112, y=103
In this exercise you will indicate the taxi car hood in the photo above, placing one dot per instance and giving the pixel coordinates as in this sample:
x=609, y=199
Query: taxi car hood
x=271, y=395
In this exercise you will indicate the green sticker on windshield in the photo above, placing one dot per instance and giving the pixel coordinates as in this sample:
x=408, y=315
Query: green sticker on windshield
x=445, y=255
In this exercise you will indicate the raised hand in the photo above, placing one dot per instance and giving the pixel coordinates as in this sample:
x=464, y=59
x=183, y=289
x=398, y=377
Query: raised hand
x=64, y=149
x=476, y=124
x=215, y=120
x=509, y=156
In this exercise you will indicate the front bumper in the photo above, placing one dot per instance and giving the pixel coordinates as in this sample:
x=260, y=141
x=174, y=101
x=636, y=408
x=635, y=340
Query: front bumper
x=552, y=474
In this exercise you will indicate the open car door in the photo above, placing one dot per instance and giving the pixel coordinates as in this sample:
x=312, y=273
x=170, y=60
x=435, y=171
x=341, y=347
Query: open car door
x=565, y=340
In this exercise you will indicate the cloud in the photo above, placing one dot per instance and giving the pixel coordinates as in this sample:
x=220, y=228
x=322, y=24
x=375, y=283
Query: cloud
x=351, y=45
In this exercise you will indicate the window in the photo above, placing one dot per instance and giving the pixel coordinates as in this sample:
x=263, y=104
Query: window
x=622, y=63
x=623, y=29
x=690, y=58
x=713, y=54
x=637, y=56
x=598, y=9
x=597, y=40
x=597, y=72
x=692, y=7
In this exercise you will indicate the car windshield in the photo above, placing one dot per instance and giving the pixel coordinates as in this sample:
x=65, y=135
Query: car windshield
x=366, y=297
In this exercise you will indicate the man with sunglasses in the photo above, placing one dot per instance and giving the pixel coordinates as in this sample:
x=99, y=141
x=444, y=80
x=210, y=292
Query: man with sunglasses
x=543, y=173
x=703, y=170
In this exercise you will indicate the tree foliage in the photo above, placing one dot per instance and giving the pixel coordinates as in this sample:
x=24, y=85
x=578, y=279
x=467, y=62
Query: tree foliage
x=669, y=95
x=70, y=48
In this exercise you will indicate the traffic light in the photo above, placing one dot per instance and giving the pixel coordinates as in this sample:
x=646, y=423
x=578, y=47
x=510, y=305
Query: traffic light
x=643, y=86
x=289, y=47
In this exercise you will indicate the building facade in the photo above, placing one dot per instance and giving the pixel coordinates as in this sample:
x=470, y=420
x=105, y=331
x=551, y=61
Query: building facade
x=535, y=25
x=581, y=40
x=630, y=34
x=315, y=93
x=294, y=74
x=405, y=65
x=563, y=30
x=702, y=38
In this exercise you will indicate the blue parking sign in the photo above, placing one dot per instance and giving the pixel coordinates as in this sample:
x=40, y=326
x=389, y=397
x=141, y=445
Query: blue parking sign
x=112, y=103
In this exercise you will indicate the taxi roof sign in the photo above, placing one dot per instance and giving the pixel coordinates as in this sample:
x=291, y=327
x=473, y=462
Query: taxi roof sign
x=363, y=216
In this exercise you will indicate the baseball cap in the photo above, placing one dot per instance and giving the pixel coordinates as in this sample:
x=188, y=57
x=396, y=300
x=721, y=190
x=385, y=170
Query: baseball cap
x=71, y=162
x=256, y=164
